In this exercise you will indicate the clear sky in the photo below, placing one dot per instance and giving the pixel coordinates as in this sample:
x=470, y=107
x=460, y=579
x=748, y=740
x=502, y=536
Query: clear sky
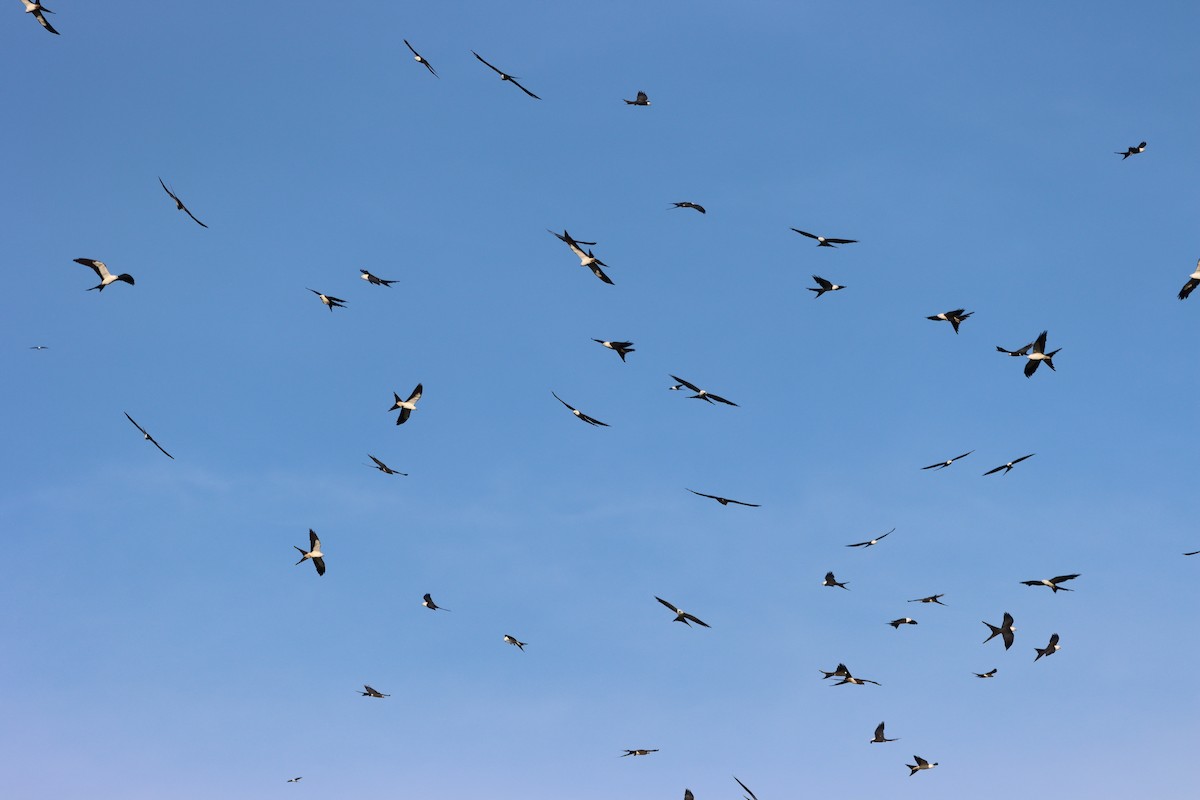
x=159, y=640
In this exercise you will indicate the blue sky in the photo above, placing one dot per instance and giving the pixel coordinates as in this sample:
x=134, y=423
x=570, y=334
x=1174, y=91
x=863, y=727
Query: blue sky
x=160, y=641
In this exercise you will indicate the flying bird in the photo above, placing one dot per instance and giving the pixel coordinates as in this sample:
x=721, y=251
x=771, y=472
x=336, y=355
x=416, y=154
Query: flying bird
x=420, y=59
x=991, y=673
x=948, y=462
x=329, y=300
x=832, y=581
x=954, y=317
x=296, y=779
x=580, y=414
x=384, y=468
x=586, y=258
x=1132, y=151
x=879, y=737
x=638, y=752
x=702, y=394
x=839, y=672
x=682, y=616
x=1053, y=582
x=39, y=347
x=427, y=601
x=1005, y=631
x=1008, y=467
x=38, y=10
x=369, y=692
x=179, y=206
x=872, y=542
x=621, y=348
x=1049, y=649
x=101, y=270
x=724, y=500
x=896, y=623
x=856, y=681
x=933, y=598
x=372, y=279
x=314, y=552
x=148, y=437
x=686, y=204
x=824, y=241
x=505, y=77
x=1039, y=355
x=641, y=100
x=1193, y=282
x=513, y=641
x=407, y=406
x=825, y=286
x=749, y=794
x=1194, y=552
x=920, y=765
x=1020, y=351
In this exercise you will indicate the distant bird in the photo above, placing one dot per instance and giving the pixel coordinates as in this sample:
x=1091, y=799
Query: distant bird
x=839, y=672
x=407, y=406
x=38, y=10
x=1053, y=582
x=724, y=500
x=1132, y=151
x=749, y=794
x=505, y=77
x=1050, y=649
x=580, y=414
x=702, y=394
x=101, y=270
x=148, y=437
x=369, y=692
x=384, y=468
x=825, y=286
x=832, y=581
x=1193, y=282
x=641, y=100
x=896, y=623
x=427, y=601
x=856, y=681
x=954, y=317
x=920, y=765
x=373, y=280
x=420, y=59
x=686, y=204
x=1008, y=467
x=179, y=206
x=879, y=737
x=989, y=674
x=329, y=300
x=823, y=241
x=1039, y=355
x=39, y=347
x=621, y=348
x=513, y=641
x=683, y=616
x=586, y=258
x=314, y=552
x=638, y=752
x=948, y=462
x=933, y=598
x=296, y=779
x=1005, y=631
x=872, y=542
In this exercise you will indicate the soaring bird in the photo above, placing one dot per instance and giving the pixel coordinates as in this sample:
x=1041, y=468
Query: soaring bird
x=586, y=258
x=1132, y=151
x=296, y=779
x=1193, y=282
x=505, y=77
x=369, y=692
x=824, y=286
x=1008, y=467
x=420, y=59
x=513, y=641
x=954, y=317
x=101, y=270
x=1049, y=649
x=724, y=500
x=580, y=414
x=372, y=279
x=1039, y=355
x=948, y=462
x=1053, y=582
x=686, y=204
x=879, y=737
x=856, y=681
x=839, y=671
x=148, y=437
x=683, y=616
x=427, y=601
x=832, y=581
x=933, y=598
x=314, y=552
x=407, y=406
x=702, y=394
x=920, y=765
x=621, y=348
x=641, y=100
x=991, y=673
x=384, y=468
x=39, y=347
x=179, y=206
x=871, y=542
x=329, y=300
x=823, y=241
x=896, y=623
x=38, y=10
x=1005, y=630
x=638, y=752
